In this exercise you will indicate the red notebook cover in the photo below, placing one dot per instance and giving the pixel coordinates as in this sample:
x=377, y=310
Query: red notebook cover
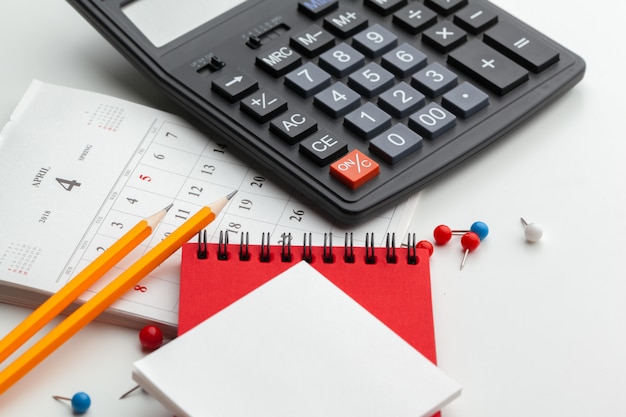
x=398, y=294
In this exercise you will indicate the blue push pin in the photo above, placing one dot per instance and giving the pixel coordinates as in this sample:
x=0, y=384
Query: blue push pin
x=80, y=402
x=481, y=229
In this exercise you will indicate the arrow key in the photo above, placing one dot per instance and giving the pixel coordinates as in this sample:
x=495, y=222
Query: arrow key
x=235, y=85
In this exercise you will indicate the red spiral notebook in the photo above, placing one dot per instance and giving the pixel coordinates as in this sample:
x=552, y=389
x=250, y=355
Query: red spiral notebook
x=393, y=284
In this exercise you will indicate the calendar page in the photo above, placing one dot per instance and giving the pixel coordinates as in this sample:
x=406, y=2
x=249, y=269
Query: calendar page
x=79, y=169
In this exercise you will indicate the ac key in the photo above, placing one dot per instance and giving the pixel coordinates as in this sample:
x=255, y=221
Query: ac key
x=488, y=66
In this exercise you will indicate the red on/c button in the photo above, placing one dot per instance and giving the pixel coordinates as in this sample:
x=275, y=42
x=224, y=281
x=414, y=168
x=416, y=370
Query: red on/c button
x=354, y=169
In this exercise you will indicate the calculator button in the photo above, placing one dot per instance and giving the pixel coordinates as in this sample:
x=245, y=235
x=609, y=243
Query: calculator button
x=489, y=66
x=317, y=8
x=434, y=80
x=371, y=80
x=279, y=61
x=444, y=37
x=312, y=41
x=475, y=19
x=235, y=85
x=401, y=100
x=293, y=126
x=341, y=60
x=308, y=80
x=465, y=100
x=445, y=7
x=263, y=105
x=355, y=169
x=375, y=41
x=337, y=100
x=396, y=143
x=415, y=18
x=367, y=121
x=520, y=46
x=345, y=23
x=385, y=7
x=432, y=121
x=323, y=147
x=404, y=60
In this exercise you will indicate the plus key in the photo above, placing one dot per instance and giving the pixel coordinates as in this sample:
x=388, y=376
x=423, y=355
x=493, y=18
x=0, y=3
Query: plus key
x=488, y=66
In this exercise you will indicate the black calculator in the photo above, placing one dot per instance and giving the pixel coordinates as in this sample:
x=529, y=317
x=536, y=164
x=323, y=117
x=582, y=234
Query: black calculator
x=353, y=103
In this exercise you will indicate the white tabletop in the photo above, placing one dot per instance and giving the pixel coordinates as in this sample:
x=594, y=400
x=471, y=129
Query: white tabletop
x=527, y=329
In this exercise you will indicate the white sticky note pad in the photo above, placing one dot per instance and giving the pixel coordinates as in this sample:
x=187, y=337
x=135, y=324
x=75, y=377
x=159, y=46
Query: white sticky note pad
x=297, y=346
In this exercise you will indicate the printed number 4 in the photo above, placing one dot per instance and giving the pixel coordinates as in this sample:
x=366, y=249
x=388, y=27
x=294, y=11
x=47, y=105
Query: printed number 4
x=67, y=184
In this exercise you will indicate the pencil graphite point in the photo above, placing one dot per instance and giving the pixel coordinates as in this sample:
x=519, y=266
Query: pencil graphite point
x=229, y=196
x=156, y=218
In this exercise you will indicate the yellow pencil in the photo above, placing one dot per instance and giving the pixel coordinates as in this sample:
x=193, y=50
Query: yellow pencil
x=113, y=291
x=54, y=305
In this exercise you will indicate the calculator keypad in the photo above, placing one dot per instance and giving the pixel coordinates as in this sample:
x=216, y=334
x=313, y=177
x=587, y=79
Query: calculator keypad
x=383, y=84
x=341, y=72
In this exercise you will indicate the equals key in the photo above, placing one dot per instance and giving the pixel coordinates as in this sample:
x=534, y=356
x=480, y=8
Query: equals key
x=527, y=50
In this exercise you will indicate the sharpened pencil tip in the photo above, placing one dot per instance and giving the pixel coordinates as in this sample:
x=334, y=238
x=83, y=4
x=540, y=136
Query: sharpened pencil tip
x=169, y=207
x=229, y=196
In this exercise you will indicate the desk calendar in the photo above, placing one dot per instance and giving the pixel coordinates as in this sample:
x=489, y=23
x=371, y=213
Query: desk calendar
x=78, y=169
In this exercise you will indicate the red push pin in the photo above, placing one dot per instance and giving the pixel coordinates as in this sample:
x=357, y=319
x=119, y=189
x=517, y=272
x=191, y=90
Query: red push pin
x=442, y=234
x=151, y=337
x=469, y=242
x=424, y=244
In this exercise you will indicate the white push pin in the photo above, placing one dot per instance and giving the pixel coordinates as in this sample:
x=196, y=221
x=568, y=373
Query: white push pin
x=532, y=231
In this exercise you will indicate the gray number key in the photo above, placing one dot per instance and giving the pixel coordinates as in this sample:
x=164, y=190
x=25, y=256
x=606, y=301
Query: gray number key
x=308, y=80
x=404, y=60
x=465, y=100
x=395, y=144
x=432, y=121
x=375, y=41
x=371, y=80
x=401, y=100
x=341, y=60
x=337, y=100
x=434, y=80
x=367, y=121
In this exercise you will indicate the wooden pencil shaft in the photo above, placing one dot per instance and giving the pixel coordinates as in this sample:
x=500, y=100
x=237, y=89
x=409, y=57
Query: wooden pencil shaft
x=103, y=299
x=57, y=302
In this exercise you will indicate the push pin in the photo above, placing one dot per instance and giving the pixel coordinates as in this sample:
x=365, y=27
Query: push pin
x=130, y=391
x=481, y=229
x=469, y=242
x=80, y=402
x=443, y=233
x=151, y=337
x=532, y=231
x=424, y=244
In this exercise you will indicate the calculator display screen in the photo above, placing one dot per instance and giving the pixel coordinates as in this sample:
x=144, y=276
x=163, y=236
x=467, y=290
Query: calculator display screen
x=162, y=21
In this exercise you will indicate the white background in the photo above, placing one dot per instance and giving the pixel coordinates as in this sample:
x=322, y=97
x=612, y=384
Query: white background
x=526, y=329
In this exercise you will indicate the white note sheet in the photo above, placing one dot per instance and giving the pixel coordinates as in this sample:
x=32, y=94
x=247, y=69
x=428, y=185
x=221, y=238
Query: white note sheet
x=297, y=346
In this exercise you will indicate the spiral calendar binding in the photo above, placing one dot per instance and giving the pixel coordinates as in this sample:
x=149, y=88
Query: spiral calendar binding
x=286, y=254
